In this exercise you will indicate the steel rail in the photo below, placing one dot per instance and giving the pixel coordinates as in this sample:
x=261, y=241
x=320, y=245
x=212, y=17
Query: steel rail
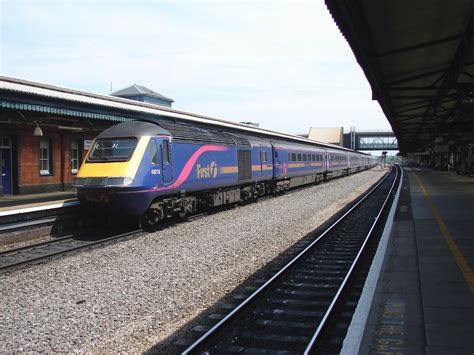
x=326, y=316
x=265, y=286
x=35, y=245
x=86, y=244
x=55, y=241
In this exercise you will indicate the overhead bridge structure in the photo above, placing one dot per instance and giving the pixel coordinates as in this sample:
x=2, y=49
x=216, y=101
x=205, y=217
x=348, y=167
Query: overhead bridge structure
x=418, y=57
x=371, y=140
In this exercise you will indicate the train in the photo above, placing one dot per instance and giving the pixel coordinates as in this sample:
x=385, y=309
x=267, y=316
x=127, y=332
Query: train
x=156, y=169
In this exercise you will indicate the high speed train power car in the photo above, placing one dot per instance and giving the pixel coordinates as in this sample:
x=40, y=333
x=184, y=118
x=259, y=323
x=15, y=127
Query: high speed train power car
x=155, y=169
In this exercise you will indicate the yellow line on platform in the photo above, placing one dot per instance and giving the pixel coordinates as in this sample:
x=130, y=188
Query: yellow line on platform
x=462, y=263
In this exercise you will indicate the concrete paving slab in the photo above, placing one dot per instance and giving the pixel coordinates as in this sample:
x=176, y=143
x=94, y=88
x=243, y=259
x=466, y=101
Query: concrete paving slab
x=454, y=316
x=423, y=275
x=446, y=350
x=446, y=294
x=398, y=282
x=443, y=334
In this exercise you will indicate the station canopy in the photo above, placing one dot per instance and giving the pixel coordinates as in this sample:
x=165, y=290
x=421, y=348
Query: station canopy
x=418, y=56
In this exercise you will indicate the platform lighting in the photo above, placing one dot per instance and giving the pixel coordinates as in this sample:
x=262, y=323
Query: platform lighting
x=38, y=132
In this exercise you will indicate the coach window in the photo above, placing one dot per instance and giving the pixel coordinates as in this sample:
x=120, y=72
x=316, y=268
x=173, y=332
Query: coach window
x=263, y=156
x=45, y=157
x=293, y=156
x=75, y=156
x=299, y=156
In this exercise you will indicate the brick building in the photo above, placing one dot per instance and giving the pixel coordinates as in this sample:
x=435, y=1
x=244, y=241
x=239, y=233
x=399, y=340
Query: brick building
x=45, y=132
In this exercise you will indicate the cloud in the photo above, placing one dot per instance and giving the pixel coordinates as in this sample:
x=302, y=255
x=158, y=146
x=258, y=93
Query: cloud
x=281, y=63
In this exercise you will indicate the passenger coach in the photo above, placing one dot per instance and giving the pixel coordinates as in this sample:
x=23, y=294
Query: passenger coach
x=155, y=169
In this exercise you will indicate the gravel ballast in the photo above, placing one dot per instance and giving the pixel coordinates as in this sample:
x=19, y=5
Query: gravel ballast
x=131, y=295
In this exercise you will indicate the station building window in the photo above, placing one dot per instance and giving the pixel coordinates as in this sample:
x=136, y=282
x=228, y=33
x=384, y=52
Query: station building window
x=75, y=156
x=45, y=156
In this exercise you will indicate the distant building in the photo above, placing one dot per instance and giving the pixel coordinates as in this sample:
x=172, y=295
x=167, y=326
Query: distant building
x=331, y=135
x=143, y=94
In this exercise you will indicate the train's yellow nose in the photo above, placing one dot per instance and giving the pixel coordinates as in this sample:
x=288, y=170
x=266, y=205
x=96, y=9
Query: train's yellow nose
x=117, y=169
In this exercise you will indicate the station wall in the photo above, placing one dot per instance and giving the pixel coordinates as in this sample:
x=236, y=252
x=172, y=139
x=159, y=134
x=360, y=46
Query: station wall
x=47, y=163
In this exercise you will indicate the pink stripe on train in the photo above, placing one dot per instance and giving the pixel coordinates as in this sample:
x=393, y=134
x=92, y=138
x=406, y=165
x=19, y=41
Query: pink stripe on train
x=188, y=167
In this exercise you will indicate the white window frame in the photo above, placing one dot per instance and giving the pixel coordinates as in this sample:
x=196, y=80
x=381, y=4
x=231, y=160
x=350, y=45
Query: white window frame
x=75, y=159
x=45, y=162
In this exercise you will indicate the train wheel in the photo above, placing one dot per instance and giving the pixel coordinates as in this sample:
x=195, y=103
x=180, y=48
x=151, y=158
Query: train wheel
x=150, y=219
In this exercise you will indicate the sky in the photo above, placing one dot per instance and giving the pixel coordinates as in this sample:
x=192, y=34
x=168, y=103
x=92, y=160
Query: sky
x=283, y=64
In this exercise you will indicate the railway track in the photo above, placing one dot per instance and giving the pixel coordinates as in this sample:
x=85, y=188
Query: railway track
x=59, y=246
x=49, y=249
x=30, y=223
x=59, y=221
x=301, y=306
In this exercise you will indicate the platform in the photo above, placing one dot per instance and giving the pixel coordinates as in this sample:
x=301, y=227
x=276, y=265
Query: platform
x=424, y=298
x=14, y=203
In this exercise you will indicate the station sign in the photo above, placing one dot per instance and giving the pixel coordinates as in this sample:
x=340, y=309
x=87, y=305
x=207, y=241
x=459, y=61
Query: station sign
x=88, y=143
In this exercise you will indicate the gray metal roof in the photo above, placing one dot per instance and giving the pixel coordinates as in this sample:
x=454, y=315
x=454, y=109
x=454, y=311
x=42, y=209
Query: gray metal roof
x=27, y=89
x=418, y=56
x=139, y=90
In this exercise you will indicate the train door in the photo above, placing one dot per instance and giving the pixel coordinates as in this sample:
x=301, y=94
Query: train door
x=276, y=163
x=166, y=166
x=263, y=160
x=6, y=156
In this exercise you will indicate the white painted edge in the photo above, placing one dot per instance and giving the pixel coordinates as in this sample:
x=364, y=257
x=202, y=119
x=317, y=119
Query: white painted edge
x=355, y=333
x=39, y=208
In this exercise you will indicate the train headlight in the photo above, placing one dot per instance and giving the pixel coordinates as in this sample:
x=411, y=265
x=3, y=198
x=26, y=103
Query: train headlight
x=119, y=181
x=78, y=182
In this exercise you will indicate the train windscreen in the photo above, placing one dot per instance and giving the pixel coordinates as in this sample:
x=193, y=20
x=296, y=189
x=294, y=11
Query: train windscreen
x=120, y=149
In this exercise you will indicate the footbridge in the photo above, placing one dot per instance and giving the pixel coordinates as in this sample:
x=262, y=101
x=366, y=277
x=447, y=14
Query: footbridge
x=370, y=140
